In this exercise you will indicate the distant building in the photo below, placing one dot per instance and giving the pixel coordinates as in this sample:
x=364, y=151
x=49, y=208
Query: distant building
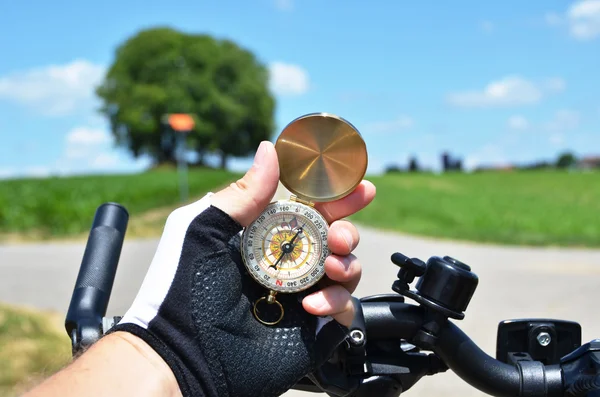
x=588, y=163
x=451, y=164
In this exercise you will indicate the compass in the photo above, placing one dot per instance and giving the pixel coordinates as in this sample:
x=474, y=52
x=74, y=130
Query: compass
x=322, y=158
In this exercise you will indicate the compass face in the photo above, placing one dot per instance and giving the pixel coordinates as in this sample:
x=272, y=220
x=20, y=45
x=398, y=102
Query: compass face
x=285, y=248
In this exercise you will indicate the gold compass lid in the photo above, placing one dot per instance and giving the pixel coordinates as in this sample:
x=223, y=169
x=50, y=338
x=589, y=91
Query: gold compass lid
x=322, y=157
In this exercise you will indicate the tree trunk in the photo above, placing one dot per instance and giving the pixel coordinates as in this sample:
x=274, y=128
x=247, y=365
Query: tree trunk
x=167, y=155
x=224, y=157
x=201, y=152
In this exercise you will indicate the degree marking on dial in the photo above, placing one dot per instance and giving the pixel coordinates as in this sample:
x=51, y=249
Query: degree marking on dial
x=292, y=274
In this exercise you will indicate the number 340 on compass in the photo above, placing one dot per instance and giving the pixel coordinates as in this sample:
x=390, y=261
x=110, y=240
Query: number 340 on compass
x=286, y=246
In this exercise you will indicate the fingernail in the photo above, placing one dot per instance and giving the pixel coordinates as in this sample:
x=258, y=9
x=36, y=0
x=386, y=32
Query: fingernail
x=346, y=263
x=261, y=154
x=316, y=300
x=348, y=238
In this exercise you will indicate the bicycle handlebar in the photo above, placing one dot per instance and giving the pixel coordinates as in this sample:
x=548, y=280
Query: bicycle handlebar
x=376, y=347
x=96, y=275
x=389, y=320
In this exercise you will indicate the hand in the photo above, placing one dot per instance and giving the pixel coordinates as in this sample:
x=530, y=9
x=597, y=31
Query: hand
x=194, y=307
x=245, y=199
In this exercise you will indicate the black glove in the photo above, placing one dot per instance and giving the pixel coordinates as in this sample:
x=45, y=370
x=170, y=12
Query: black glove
x=195, y=309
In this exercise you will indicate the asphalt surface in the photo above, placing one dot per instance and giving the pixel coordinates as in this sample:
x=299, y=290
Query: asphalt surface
x=514, y=282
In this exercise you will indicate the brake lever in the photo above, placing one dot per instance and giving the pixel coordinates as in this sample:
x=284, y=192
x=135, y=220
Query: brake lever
x=580, y=370
x=342, y=374
x=383, y=368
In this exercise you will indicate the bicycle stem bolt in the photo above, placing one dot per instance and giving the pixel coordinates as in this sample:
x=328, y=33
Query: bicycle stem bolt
x=357, y=336
x=544, y=339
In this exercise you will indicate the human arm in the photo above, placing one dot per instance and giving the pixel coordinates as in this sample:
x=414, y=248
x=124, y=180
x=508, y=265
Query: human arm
x=193, y=307
x=119, y=364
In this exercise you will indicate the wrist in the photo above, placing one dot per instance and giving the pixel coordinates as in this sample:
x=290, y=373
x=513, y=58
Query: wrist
x=148, y=357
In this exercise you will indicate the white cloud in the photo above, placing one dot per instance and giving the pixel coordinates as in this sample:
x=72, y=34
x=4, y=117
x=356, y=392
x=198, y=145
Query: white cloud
x=557, y=139
x=87, y=149
x=99, y=161
x=554, y=85
x=288, y=79
x=36, y=171
x=284, y=5
x=105, y=160
x=556, y=130
x=509, y=91
x=55, y=89
x=518, y=123
x=560, y=128
x=7, y=172
x=90, y=149
x=582, y=19
x=563, y=120
x=402, y=122
x=88, y=136
x=487, y=26
x=39, y=171
x=75, y=153
x=488, y=155
x=85, y=141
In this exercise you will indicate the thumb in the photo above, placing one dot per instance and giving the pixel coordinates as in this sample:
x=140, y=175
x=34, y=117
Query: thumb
x=246, y=198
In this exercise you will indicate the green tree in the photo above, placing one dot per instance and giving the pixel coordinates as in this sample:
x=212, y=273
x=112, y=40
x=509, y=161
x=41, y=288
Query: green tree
x=160, y=71
x=566, y=160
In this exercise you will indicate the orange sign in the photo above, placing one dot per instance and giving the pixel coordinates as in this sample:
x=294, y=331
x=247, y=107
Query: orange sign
x=181, y=122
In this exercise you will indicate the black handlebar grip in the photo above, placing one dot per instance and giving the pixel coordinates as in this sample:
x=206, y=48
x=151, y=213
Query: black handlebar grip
x=96, y=275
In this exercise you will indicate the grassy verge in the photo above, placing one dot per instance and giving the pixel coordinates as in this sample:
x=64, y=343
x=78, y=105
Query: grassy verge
x=33, y=345
x=58, y=207
x=533, y=208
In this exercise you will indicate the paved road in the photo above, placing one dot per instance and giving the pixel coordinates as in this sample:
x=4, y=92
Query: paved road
x=514, y=282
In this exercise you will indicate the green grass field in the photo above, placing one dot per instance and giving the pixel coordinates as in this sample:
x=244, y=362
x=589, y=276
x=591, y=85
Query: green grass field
x=65, y=206
x=535, y=208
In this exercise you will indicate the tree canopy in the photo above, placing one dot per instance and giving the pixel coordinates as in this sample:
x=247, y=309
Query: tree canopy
x=566, y=160
x=160, y=71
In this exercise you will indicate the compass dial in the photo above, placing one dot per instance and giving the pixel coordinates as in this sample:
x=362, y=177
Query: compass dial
x=285, y=248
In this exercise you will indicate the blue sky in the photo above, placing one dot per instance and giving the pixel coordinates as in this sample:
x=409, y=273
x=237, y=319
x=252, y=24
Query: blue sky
x=493, y=82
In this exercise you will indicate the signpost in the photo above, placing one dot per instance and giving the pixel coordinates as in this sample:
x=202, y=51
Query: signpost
x=182, y=124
